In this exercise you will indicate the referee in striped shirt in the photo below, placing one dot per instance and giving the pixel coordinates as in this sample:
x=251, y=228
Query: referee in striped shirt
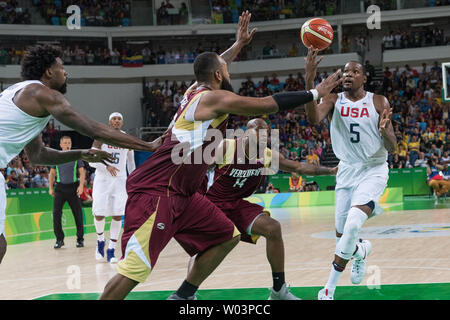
x=67, y=188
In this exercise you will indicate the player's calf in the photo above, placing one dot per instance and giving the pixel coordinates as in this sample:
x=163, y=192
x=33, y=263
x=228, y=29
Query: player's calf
x=3, y=246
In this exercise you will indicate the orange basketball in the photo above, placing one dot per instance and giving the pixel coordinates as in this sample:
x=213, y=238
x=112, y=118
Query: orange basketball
x=317, y=33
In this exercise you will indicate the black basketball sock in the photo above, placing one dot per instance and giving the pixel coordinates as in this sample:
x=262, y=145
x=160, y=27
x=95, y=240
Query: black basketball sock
x=278, y=280
x=186, y=290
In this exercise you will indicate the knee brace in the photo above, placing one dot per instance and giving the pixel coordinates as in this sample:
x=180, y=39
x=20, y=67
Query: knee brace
x=346, y=245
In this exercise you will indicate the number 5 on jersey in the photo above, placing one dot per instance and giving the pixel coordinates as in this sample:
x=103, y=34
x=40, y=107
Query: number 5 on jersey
x=355, y=138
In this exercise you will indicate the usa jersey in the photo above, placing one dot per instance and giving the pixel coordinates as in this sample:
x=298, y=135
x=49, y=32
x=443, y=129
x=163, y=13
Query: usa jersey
x=354, y=131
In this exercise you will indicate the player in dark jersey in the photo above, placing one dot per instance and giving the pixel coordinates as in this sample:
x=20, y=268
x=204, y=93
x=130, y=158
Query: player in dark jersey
x=163, y=202
x=235, y=177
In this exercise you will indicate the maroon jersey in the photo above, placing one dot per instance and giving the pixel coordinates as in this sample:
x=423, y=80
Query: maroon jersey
x=238, y=180
x=160, y=175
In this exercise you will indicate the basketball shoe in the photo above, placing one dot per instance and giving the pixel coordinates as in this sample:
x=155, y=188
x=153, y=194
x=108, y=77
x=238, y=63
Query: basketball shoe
x=174, y=296
x=110, y=256
x=359, y=261
x=100, y=250
x=283, y=294
x=325, y=294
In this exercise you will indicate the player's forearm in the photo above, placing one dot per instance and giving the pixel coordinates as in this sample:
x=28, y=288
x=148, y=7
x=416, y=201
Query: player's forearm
x=48, y=156
x=312, y=170
x=231, y=53
x=82, y=176
x=311, y=107
x=122, y=140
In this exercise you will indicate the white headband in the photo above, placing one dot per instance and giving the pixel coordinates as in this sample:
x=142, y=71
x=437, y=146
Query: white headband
x=115, y=114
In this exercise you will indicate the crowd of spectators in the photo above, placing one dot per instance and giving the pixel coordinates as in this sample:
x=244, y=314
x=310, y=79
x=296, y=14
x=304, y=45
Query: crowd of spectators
x=415, y=38
x=11, y=13
x=227, y=11
x=106, y=13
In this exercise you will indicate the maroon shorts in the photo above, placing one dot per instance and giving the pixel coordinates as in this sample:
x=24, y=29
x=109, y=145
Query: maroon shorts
x=151, y=221
x=242, y=213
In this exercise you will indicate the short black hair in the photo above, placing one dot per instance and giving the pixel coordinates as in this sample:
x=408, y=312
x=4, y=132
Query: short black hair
x=205, y=64
x=37, y=59
x=362, y=65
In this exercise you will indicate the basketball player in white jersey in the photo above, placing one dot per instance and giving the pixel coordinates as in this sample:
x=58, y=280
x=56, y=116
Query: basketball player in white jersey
x=26, y=108
x=109, y=192
x=361, y=136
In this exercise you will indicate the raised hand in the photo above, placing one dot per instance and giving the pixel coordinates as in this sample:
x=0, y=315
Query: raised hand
x=311, y=63
x=324, y=88
x=242, y=35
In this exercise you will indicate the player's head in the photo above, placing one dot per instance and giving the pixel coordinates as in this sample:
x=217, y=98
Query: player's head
x=354, y=76
x=43, y=62
x=212, y=69
x=259, y=128
x=116, y=120
x=65, y=143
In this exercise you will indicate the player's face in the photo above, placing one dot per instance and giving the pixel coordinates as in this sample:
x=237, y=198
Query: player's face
x=116, y=123
x=354, y=77
x=65, y=144
x=226, y=80
x=59, y=76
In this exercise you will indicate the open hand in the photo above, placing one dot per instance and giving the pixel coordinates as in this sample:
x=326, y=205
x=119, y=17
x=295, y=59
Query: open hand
x=324, y=88
x=93, y=155
x=311, y=63
x=242, y=35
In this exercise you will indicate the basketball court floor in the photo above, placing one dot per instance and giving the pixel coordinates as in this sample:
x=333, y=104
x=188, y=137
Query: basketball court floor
x=410, y=259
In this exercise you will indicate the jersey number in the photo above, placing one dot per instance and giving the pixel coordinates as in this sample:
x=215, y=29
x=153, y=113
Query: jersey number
x=116, y=157
x=240, y=182
x=354, y=139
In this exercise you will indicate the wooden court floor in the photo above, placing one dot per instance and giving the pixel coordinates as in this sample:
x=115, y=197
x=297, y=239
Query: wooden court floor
x=410, y=246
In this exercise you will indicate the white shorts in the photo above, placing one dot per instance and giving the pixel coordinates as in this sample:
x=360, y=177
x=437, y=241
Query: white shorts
x=2, y=204
x=358, y=185
x=109, y=196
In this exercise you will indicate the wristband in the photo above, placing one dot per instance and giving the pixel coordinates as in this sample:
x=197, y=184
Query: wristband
x=315, y=94
x=291, y=100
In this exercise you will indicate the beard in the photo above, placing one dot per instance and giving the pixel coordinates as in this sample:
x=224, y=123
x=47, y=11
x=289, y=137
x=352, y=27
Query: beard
x=63, y=88
x=226, y=85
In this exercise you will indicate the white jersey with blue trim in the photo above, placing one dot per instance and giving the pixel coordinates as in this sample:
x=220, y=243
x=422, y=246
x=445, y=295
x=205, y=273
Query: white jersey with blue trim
x=354, y=131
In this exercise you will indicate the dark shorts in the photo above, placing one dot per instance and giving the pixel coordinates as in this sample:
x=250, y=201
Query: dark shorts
x=151, y=221
x=242, y=213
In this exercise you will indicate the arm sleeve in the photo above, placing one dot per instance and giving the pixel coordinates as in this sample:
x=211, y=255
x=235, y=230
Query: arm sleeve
x=131, y=165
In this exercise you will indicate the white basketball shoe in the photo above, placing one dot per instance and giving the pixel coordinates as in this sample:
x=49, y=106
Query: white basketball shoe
x=325, y=294
x=359, y=261
x=283, y=294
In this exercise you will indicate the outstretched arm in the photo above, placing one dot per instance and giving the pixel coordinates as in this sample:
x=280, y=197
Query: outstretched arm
x=302, y=168
x=41, y=155
x=58, y=106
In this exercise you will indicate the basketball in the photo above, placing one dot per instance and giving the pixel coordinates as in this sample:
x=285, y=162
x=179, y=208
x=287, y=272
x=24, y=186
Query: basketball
x=317, y=33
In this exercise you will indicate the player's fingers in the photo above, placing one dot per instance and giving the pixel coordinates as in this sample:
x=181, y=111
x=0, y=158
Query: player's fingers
x=252, y=33
x=319, y=60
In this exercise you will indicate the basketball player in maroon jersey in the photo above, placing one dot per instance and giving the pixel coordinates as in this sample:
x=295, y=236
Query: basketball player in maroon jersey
x=235, y=177
x=163, y=202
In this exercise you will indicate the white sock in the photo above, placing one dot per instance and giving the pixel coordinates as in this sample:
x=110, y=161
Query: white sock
x=112, y=244
x=100, y=229
x=114, y=232
x=346, y=246
x=333, y=279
